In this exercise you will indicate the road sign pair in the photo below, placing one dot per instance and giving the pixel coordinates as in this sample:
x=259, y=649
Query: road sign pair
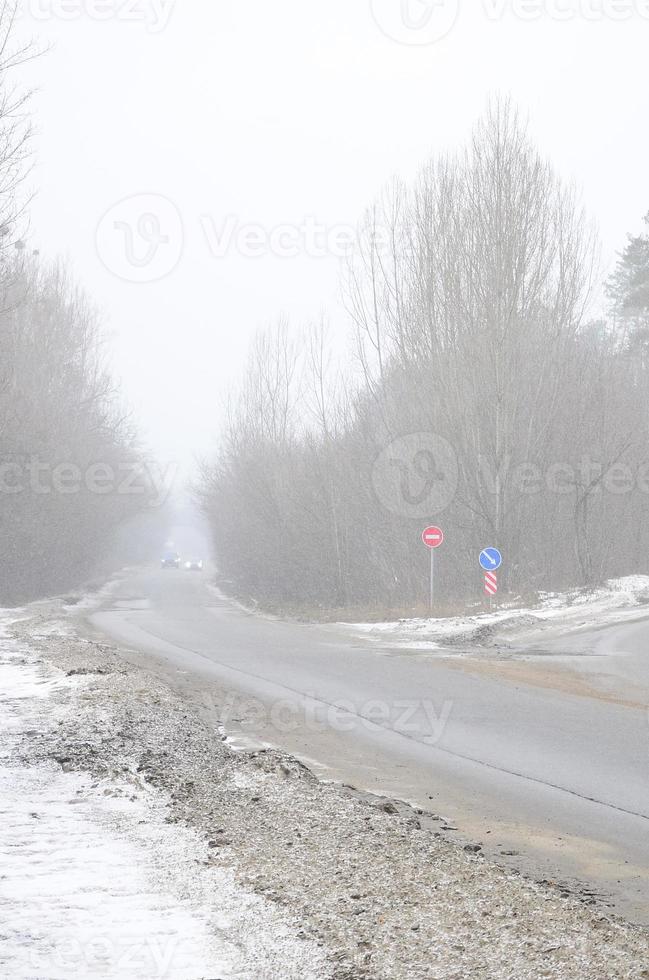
x=490, y=560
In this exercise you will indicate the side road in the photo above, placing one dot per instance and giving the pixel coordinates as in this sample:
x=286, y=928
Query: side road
x=339, y=886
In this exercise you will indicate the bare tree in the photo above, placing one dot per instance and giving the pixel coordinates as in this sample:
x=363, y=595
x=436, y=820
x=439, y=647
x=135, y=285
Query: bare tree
x=468, y=297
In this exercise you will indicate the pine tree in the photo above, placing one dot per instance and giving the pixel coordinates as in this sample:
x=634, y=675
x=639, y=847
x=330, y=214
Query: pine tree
x=628, y=290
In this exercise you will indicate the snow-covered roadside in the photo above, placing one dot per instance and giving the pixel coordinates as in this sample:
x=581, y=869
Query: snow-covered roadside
x=296, y=877
x=94, y=882
x=88, y=601
x=616, y=601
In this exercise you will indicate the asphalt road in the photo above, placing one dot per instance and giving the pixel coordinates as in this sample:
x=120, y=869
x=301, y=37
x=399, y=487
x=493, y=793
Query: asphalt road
x=542, y=751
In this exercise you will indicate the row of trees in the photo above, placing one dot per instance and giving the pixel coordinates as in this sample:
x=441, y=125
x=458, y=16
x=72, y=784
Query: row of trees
x=70, y=468
x=485, y=400
x=70, y=473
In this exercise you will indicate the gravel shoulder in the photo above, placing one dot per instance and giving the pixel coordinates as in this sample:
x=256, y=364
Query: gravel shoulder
x=369, y=888
x=96, y=881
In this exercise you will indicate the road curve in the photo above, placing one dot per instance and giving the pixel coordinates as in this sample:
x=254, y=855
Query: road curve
x=543, y=754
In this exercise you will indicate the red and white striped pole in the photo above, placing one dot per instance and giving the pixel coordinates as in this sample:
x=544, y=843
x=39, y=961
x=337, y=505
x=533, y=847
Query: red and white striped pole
x=491, y=586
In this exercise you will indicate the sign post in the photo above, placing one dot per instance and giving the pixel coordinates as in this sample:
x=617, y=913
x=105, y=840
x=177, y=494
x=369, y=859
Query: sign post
x=490, y=561
x=433, y=538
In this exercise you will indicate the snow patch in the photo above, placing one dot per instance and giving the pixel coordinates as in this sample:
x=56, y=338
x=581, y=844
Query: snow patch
x=95, y=882
x=613, y=602
x=79, y=897
x=89, y=601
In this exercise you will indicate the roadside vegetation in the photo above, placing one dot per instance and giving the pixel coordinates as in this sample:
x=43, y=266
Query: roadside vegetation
x=66, y=445
x=70, y=472
x=499, y=378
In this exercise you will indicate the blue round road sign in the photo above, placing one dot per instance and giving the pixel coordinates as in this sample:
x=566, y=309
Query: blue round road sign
x=491, y=559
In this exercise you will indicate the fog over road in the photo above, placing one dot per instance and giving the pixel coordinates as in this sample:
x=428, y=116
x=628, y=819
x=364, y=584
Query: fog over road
x=542, y=752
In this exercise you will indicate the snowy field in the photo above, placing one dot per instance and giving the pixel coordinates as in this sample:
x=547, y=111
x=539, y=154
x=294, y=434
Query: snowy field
x=616, y=601
x=94, y=882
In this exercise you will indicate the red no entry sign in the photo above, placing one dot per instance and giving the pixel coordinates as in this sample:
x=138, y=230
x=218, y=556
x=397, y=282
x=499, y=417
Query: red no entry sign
x=433, y=537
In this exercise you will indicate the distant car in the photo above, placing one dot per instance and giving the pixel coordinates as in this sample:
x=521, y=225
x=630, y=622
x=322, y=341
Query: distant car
x=194, y=565
x=171, y=560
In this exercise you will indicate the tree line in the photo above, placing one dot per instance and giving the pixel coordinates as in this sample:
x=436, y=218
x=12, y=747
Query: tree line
x=486, y=397
x=66, y=445
x=70, y=465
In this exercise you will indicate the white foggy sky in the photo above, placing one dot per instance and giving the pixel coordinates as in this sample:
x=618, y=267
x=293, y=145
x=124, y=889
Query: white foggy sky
x=276, y=111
